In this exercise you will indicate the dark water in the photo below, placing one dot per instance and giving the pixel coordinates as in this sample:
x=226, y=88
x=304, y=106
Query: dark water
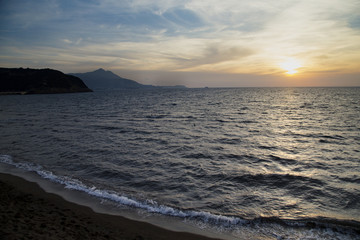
x=238, y=158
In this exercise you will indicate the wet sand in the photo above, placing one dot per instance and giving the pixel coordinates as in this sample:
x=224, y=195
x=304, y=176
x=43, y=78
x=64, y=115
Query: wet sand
x=28, y=212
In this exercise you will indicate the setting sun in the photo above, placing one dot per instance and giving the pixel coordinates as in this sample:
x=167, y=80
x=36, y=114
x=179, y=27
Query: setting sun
x=290, y=66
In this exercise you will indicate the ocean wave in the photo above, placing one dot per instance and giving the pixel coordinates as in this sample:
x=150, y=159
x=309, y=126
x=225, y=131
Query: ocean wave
x=270, y=179
x=150, y=206
x=321, y=228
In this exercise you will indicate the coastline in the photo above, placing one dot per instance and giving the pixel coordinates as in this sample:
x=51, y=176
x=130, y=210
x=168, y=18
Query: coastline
x=27, y=211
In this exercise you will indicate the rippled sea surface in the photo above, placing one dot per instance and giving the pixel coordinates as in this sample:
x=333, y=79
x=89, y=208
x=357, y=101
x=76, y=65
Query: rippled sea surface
x=274, y=155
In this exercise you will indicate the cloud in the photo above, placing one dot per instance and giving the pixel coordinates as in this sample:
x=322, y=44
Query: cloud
x=183, y=17
x=354, y=22
x=233, y=36
x=67, y=41
x=308, y=29
x=211, y=57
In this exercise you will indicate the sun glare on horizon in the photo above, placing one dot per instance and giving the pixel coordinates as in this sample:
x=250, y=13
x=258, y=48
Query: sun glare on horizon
x=290, y=66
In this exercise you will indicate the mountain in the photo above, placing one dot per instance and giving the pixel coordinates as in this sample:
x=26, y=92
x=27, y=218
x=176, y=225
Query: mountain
x=101, y=79
x=33, y=81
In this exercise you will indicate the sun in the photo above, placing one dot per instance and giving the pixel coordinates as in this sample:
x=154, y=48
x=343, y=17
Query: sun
x=290, y=66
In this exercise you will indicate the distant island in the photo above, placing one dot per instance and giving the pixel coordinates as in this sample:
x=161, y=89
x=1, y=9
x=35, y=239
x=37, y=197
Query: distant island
x=38, y=81
x=102, y=79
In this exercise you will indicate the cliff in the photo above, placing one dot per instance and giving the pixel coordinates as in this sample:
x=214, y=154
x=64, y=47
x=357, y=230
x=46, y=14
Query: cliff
x=36, y=81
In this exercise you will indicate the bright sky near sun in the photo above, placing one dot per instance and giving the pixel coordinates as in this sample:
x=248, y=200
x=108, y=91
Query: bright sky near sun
x=192, y=42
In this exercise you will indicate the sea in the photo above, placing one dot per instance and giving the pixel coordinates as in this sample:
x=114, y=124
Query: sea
x=235, y=163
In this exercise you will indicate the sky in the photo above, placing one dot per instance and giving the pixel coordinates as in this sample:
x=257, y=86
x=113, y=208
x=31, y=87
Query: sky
x=197, y=43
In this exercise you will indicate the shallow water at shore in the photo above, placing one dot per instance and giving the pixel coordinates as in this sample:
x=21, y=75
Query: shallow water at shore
x=224, y=157
x=35, y=214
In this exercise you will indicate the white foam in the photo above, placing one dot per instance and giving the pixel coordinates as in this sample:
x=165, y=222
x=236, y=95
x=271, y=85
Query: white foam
x=150, y=206
x=200, y=218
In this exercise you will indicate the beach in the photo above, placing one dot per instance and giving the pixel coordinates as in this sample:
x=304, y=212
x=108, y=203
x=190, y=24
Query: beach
x=28, y=212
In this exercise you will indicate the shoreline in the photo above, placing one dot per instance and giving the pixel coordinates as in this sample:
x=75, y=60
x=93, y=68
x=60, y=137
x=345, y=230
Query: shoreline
x=27, y=211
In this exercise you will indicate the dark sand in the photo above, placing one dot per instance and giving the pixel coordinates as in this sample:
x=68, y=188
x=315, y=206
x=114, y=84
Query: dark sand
x=28, y=212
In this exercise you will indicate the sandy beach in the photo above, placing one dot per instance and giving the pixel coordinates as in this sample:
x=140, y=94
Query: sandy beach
x=28, y=212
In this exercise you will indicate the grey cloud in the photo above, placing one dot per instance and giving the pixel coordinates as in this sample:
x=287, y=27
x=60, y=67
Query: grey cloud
x=354, y=22
x=215, y=53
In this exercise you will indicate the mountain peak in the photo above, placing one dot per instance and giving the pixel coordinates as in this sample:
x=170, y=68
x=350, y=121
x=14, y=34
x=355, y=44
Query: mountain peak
x=100, y=70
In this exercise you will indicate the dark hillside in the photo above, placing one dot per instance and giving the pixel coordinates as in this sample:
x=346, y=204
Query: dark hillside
x=101, y=79
x=33, y=81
